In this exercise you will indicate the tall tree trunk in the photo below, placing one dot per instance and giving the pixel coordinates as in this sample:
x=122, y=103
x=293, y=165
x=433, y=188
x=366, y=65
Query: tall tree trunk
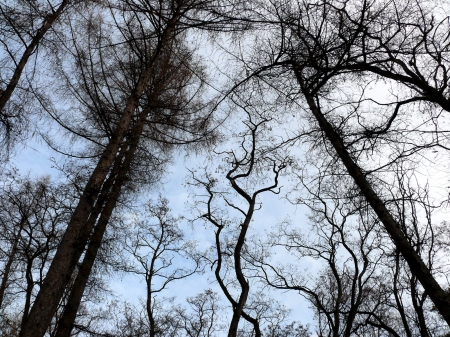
x=149, y=273
x=77, y=233
x=67, y=320
x=418, y=308
x=78, y=230
x=415, y=263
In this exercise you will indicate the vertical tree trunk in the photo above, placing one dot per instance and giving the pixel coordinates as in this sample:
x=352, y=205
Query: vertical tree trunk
x=4, y=283
x=28, y=291
x=148, y=279
x=418, y=308
x=149, y=309
x=415, y=263
x=245, y=288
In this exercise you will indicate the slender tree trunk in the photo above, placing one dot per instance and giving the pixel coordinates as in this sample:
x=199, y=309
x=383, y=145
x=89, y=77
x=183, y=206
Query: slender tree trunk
x=238, y=308
x=9, y=263
x=415, y=263
x=149, y=280
x=245, y=288
x=418, y=308
x=151, y=318
x=220, y=281
x=67, y=320
x=149, y=273
x=29, y=290
x=48, y=22
x=397, y=295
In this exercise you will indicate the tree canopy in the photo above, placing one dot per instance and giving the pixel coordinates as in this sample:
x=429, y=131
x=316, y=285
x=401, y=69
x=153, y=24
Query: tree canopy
x=312, y=138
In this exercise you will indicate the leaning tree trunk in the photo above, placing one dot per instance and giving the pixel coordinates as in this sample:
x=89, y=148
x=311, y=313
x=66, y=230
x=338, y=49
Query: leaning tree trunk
x=77, y=233
x=11, y=258
x=439, y=297
x=29, y=50
x=79, y=228
x=67, y=320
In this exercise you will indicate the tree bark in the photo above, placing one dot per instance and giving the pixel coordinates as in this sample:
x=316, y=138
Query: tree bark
x=79, y=228
x=28, y=291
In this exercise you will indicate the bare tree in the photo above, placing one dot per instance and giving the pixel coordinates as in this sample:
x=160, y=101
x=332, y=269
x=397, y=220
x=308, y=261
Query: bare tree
x=24, y=26
x=161, y=255
x=32, y=213
x=312, y=83
x=246, y=163
x=320, y=48
x=152, y=31
x=130, y=92
x=202, y=317
x=349, y=254
x=358, y=285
